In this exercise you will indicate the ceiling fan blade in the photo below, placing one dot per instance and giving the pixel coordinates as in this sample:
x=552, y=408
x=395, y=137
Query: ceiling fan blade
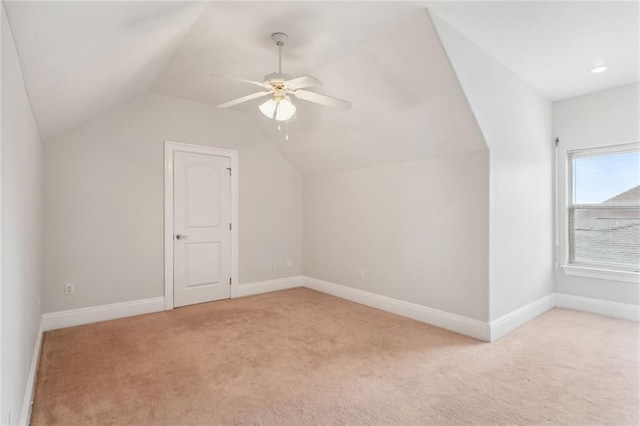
x=322, y=99
x=302, y=82
x=243, y=99
x=242, y=80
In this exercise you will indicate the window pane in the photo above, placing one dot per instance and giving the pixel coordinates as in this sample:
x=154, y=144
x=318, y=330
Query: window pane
x=604, y=218
x=605, y=237
x=599, y=178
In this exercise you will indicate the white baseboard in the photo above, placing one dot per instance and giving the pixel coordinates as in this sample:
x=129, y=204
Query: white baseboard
x=460, y=324
x=597, y=306
x=62, y=319
x=507, y=323
x=470, y=327
x=25, y=413
x=269, y=285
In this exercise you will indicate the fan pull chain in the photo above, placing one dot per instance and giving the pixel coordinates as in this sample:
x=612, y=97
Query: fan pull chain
x=286, y=125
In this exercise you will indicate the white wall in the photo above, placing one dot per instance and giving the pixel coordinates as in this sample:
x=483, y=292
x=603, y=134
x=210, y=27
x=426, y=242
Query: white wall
x=21, y=240
x=104, y=201
x=603, y=118
x=418, y=230
x=517, y=124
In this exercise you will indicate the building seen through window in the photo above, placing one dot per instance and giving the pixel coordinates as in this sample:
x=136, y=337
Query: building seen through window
x=604, y=208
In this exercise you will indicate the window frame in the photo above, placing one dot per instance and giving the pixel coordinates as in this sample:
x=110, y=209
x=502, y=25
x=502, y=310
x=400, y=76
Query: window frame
x=591, y=270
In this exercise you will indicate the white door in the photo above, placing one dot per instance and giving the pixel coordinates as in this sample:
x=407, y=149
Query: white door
x=202, y=228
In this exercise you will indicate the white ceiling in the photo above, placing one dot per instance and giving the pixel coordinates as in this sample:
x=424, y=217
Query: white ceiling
x=82, y=58
x=553, y=45
x=407, y=105
x=385, y=58
x=234, y=39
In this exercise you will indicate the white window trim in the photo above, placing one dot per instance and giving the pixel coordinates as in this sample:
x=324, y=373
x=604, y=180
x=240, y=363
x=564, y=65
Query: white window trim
x=603, y=274
x=581, y=270
x=607, y=149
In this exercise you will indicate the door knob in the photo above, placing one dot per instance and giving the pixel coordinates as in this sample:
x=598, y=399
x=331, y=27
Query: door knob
x=181, y=237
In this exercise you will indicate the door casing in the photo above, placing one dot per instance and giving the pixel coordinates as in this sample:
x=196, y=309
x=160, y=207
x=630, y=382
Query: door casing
x=169, y=148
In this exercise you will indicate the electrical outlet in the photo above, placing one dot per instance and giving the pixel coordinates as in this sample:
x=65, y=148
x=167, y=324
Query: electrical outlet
x=272, y=265
x=69, y=289
x=361, y=273
x=289, y=263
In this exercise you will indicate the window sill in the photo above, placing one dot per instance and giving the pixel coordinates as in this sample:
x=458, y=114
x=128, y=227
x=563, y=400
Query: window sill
x=604, y=274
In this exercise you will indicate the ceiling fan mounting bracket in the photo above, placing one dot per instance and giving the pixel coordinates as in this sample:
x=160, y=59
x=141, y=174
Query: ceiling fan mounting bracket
x=279, y=38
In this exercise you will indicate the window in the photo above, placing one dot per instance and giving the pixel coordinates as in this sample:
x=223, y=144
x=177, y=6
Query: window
x=604, y=208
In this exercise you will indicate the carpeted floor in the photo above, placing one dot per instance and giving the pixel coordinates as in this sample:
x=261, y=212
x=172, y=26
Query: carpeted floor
x=303, y=357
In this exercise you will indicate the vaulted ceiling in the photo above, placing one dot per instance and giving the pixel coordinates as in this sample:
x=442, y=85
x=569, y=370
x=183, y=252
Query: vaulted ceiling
x=81, y=59
x=554, y=45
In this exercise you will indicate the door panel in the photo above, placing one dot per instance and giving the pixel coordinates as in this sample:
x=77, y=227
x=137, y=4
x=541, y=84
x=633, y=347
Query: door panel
x=202, y=262
x=202, y=195
x=202, y=217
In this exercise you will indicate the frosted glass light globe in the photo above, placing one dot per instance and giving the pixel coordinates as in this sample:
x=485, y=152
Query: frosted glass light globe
x=280, y=109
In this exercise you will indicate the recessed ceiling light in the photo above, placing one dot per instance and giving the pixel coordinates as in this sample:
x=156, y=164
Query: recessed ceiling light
x=598, y=69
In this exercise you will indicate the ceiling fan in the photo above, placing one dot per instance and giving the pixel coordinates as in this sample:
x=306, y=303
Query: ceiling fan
x=279, y=86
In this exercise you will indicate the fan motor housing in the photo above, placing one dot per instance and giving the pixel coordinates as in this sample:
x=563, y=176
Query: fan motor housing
x=276, y=77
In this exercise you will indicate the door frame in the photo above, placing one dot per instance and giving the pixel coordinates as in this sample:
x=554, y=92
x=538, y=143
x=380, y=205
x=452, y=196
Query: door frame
x=170, y=148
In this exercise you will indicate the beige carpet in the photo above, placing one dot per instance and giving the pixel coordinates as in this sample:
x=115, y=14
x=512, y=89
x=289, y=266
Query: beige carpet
x=302, y=357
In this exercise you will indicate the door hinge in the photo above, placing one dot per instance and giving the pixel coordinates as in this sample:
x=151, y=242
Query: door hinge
x=229, y=281
x=229, y=226
x=229, y=168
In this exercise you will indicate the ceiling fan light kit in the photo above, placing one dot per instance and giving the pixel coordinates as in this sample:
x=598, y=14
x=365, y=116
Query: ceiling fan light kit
x=280, y=86
x=278, y=108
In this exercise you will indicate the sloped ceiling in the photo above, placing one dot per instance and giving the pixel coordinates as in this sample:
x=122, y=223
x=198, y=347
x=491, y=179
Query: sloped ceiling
x=407, y=103
x=552, y=45
x=234, y=39
x=81, y=58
